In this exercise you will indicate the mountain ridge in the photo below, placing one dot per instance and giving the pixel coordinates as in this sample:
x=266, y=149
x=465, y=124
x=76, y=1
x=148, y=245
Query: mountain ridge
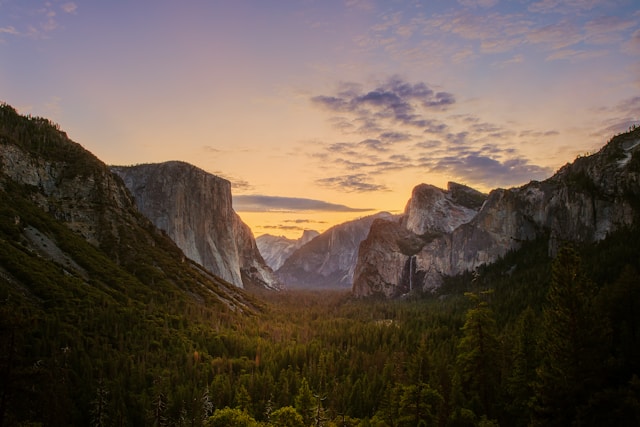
x=584, y=201
x=328, y=260
x=276, y=249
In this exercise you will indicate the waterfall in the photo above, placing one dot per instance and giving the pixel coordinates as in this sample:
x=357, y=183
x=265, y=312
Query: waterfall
x=411, y=263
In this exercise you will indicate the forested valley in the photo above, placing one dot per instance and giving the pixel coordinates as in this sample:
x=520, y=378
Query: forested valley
x=130, y=333
x=526, y=341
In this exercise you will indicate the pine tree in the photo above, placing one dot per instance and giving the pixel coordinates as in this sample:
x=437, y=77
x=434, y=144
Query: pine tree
x=243, y=399
x=573, y=343
x=478, y=356
x=418, y=405
x=523, y=371
x=305, y=402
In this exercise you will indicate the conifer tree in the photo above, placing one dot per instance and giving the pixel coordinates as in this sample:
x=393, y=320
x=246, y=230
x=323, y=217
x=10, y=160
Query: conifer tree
x=305, y=402
x=523, y=371
x=243, y=399
x=418, y=405
x=478, y=355
x=572, y=343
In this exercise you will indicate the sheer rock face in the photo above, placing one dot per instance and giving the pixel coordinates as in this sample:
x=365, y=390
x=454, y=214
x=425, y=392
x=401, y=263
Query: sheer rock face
x=583, y=202
x=276, y=249
x=328, y=260
x=383, y=258
x=195, y=209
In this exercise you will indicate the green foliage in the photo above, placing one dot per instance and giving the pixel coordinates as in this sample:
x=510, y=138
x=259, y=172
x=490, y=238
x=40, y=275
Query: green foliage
x=478, y=358
x=524, y=361
x=573, y=343
x=305, y=402
x=228, y=417
x=286, y=417
x=136, y=335
x=418, y=405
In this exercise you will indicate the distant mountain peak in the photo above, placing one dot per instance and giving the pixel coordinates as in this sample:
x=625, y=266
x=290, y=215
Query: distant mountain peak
x=276, y=249
x=328, y=260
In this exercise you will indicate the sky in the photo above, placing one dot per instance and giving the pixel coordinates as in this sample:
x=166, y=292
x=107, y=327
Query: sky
x=323, y=111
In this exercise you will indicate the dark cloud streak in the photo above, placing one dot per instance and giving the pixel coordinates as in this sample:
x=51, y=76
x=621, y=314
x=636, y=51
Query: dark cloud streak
x=489, y=171
x=261, y=203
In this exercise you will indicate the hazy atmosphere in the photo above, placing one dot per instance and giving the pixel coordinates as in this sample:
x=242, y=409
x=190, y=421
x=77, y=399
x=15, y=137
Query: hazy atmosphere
x=323, y=111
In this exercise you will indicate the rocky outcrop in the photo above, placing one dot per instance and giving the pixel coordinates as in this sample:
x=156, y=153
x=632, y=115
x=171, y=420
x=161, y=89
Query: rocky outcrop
x=329, y=260
x=388, y=258
x=582, y=202
x=276, y=249
x=85, y=196
x=195, y=209
x=432, y=210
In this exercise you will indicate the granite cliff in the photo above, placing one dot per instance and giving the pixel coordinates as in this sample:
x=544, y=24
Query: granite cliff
x=69, y=223
x=195, y=209
x=582, y=202
x=328, y=260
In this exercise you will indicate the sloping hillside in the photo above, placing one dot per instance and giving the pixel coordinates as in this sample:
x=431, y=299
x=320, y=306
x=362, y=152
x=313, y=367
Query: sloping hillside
x=92, y=295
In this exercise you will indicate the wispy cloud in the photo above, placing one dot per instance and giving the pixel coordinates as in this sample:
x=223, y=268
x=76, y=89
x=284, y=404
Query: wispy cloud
x=69, y=7
x=621, y=116
x=544, y=6
x=575, y=55
x=237, y=184
x=490, y=171
x=282, y=227
x=394, y=100
x=366, y=5
x=411, y=134
x=261, y=203
x=358, y=183
x=479, y=28
x=304, y=221
x=496, y=32
x=478, y=3
x=36, y=22
x=557, y=36
x=9, y=30
x=564, y=6
x=607, y=29
x=632, y=46
x=517, y=59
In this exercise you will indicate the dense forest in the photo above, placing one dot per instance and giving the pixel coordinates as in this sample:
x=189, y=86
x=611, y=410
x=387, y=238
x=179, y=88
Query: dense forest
x=529, y=340
x=524, y=342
